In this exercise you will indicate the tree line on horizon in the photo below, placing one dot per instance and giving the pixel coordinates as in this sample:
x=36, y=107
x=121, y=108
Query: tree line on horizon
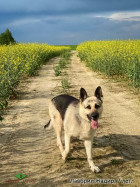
x=6, y=38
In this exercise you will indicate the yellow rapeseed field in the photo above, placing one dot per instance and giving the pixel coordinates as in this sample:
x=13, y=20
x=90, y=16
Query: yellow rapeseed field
x=22, y=59
x=113, y=58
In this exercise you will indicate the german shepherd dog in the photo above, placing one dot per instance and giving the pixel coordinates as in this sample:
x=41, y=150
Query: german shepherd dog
x=78, y=118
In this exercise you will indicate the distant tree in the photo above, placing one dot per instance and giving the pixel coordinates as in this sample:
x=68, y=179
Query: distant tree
x=6, y=38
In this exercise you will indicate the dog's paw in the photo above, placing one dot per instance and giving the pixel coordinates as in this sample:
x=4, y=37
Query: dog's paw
x=95, y=169
x=64, y=155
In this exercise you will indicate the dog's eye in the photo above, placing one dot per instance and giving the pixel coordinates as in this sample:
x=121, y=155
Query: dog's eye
x=97, y=106
x=88, y=107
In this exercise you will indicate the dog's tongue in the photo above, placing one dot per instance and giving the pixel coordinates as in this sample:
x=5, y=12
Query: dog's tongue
x=94, y=124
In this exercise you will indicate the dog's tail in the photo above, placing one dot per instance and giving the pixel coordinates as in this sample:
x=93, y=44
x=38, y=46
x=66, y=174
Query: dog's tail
x=48, y=125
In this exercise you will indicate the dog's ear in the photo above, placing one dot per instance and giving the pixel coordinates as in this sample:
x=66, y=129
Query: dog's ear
x=98, y=92
x=83, y=94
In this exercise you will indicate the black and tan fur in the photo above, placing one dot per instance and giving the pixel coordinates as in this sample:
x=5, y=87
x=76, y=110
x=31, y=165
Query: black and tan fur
x=75, y=116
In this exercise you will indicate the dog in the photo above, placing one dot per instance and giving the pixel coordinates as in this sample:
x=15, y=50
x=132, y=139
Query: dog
x=78, y=118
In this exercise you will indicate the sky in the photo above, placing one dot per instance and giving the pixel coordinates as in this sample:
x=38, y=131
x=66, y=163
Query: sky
x=65, y=22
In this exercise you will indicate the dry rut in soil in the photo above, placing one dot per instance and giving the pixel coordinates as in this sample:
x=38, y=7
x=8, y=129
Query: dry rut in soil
x=29, y=149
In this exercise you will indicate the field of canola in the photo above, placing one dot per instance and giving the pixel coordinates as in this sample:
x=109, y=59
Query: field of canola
x=21, y=60
x=120, y=58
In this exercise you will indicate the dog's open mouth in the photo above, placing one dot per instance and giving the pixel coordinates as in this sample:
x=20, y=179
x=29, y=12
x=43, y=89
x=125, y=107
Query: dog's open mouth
x=94, y=123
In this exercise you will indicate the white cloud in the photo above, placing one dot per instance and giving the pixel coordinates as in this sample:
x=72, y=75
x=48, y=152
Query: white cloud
x=123, y=16
x=24, y=21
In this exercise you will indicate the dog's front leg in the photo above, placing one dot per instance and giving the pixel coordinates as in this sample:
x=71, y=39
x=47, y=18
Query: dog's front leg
x=67, y=146
x=88, y=146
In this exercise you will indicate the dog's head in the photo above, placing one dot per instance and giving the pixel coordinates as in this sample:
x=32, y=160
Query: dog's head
x=91, y=107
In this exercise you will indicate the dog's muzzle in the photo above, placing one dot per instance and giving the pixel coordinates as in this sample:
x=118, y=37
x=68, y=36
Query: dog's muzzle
x=93, y=118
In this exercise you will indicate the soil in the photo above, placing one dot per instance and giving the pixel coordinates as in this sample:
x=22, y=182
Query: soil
x=27, y=148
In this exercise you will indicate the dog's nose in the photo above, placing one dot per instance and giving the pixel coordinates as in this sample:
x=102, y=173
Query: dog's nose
x=95, y=115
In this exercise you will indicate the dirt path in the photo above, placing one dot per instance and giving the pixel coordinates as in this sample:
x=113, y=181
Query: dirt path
x=29, y=149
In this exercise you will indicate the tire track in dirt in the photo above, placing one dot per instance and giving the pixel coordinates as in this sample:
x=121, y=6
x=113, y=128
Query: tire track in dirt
x=25, y=146
x=119, y=132
x=29, y=149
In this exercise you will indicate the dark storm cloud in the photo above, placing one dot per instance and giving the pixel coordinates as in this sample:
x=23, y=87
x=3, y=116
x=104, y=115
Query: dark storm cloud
x=70, y=21
x=76, y=30
x=68, y=7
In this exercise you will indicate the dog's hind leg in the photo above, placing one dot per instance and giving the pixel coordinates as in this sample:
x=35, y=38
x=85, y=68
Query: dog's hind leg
x=88, y=146
x=67, y=146
x=58, y=124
